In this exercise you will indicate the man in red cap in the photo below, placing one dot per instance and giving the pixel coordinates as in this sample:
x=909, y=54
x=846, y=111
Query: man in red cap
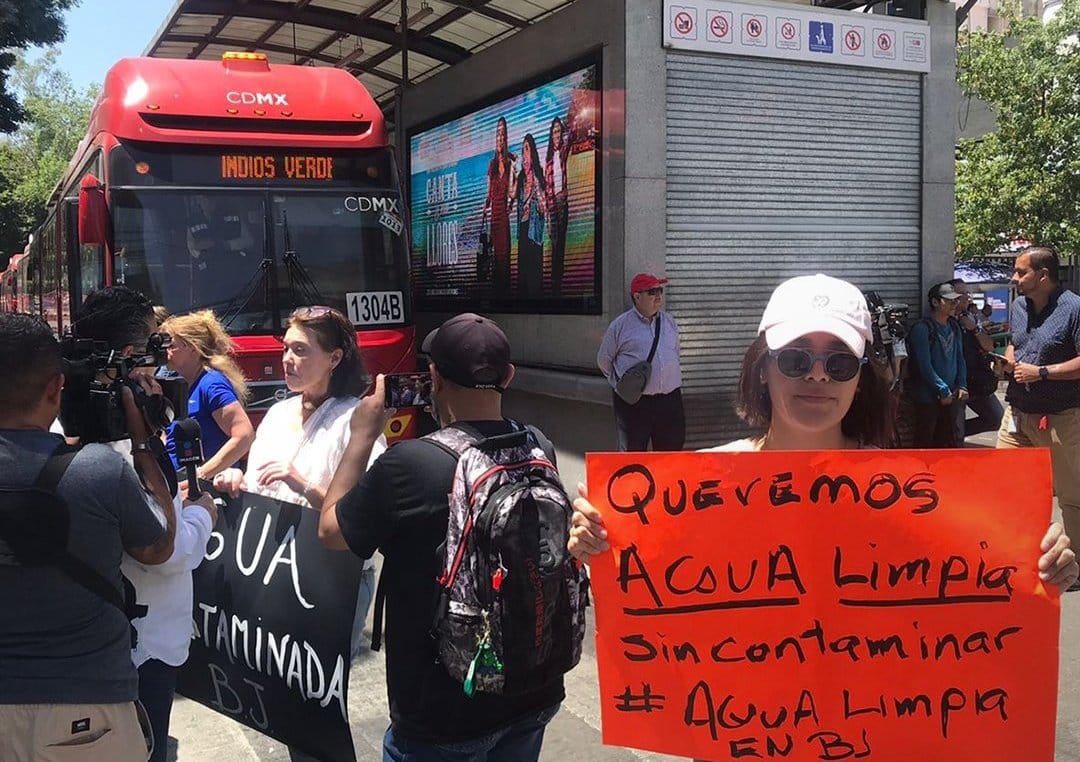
x=639, y=356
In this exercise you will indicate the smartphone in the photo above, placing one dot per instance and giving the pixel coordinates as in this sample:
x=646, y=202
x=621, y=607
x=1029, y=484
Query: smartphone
x=408, y=390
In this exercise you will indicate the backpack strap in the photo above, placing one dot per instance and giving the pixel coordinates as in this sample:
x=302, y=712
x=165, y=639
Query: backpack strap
x=380, y=589
x=79, y=571
x=380, y=602
x=50, y=475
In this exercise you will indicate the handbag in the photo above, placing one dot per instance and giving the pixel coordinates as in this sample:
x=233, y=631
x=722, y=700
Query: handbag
x=632, y=383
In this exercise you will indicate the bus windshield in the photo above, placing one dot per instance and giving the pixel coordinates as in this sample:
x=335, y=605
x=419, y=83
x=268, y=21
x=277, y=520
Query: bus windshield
x=252, y=256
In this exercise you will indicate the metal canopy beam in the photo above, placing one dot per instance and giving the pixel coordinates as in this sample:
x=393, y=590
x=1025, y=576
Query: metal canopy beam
x=194, y=39
x=370, y=11
x=480, y=8
x=215, y=30
x=335, y=21
x=273, y=29
x=369, y=65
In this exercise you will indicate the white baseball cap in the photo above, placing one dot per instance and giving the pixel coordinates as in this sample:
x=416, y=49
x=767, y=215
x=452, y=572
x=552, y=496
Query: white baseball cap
x=817, y=303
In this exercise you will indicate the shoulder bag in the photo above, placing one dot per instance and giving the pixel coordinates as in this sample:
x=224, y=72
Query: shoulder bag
x=632, y=383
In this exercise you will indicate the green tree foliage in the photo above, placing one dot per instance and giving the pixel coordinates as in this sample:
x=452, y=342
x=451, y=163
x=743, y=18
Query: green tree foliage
x=1022, y=181
x=34, y=157
x=24, y=23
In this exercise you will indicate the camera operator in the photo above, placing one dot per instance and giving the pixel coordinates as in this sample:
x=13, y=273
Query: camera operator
x=123, y=320
x=66, y=675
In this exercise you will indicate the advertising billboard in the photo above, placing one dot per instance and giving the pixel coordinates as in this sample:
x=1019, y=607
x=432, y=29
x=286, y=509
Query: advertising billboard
x=504, y=203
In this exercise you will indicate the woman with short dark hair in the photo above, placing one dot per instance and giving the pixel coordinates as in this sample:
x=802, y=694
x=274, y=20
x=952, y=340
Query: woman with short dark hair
x=299, y=443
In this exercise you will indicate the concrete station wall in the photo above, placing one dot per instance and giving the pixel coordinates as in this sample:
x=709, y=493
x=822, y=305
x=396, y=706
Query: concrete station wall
x=556, y=353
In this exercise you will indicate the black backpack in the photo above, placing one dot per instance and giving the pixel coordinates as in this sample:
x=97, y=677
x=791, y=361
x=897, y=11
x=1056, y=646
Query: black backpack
x=911, y=368
x=511, y=614
x=981, y=380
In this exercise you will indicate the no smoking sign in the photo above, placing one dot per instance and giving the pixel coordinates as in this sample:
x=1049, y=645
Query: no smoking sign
x=719, y=26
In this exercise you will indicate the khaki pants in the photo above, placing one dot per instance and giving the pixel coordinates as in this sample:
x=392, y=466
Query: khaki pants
x=1062, y=436
x=70, y=733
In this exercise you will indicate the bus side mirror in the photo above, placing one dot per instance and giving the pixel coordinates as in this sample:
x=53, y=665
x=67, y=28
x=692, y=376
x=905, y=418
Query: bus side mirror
x=93, y=212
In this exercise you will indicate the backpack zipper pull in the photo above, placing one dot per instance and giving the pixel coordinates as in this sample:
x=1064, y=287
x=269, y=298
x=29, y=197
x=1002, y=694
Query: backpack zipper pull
x=469, y=686
x=497, y=578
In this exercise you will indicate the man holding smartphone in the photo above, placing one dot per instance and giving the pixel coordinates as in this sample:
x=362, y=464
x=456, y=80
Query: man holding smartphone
x=401, y=507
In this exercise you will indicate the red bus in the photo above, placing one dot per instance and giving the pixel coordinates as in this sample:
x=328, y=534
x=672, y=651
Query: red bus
x=8, y=299
x=11, y=286
x=240, y=187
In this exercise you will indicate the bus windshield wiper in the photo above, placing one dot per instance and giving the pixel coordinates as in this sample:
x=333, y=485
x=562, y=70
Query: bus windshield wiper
x=261, y=277
x=299, y=280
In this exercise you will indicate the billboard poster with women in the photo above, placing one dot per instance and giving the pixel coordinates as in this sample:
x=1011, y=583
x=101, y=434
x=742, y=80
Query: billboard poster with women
x=504, y=202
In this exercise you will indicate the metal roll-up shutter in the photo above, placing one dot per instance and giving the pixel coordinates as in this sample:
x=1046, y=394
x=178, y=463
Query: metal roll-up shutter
x=774, y=169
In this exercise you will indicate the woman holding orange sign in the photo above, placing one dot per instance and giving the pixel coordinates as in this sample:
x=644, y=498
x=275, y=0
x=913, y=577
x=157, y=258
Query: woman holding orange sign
x=807, y=382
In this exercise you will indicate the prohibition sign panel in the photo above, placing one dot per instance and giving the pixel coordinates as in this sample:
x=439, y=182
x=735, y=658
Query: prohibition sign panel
x=854, y=37
x=719, y=26
x=884, y=43
x=788, y=33
x=683, y=22
x=754, y=26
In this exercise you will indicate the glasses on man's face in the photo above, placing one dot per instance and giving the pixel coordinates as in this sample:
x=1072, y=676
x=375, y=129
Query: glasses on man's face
x=311, y=313
x=797, y=363
x=658, y=291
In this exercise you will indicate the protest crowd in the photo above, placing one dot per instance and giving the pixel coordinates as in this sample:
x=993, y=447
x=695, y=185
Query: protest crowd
x=111, y=458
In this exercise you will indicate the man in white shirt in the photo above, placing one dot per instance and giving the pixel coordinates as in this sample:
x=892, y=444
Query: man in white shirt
x=658, y=415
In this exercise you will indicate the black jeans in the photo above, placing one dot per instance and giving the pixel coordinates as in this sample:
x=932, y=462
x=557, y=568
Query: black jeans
x=157, y=685
x=656, y=417
x=937, y=425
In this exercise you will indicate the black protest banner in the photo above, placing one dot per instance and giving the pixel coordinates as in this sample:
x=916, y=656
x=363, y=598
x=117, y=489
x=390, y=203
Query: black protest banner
x=273, y=615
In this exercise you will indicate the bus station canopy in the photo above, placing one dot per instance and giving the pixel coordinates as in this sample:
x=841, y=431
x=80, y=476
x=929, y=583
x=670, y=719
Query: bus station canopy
x=362, y=36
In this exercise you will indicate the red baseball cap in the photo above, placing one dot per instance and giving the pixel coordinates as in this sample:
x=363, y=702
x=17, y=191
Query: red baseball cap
x=645, y=281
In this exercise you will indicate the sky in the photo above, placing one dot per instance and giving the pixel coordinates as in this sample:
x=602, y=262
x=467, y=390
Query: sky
x=100, y=32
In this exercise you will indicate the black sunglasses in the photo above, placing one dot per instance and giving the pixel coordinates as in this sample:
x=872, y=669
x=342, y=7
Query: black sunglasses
x=796, y=363
x=654, y=291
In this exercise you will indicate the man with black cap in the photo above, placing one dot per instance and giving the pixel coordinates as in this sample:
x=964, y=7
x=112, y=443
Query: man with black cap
x=644, y=342
x=401, y=507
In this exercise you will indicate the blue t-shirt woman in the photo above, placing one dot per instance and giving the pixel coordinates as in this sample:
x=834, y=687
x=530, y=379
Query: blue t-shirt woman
x=210, y=392
x=201, y=352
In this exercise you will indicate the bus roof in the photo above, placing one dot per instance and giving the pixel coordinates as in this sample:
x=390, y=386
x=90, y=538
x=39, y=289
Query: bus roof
x=239, y=101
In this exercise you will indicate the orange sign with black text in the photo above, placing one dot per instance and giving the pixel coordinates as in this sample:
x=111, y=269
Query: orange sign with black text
x=878, y=605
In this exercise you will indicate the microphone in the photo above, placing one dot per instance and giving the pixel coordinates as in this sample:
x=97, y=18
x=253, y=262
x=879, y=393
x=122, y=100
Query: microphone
x=188, y=438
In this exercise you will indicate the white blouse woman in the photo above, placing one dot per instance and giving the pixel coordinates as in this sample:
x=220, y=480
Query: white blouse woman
x=301, y=440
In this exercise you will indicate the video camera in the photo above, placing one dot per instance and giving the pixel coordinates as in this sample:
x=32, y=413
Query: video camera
x=90, y=408
x=888, y=322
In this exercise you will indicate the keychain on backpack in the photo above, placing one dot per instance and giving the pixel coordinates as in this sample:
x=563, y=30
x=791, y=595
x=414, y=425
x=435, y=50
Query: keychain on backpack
x=485, y=658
